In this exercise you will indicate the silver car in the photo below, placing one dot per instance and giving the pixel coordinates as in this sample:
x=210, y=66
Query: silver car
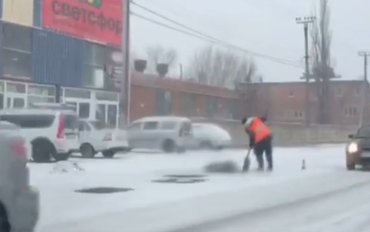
x=19, y=202
x=210, y=136
x=169, y=134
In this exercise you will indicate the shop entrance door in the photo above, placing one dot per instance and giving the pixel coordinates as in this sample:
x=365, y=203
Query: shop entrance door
x=15, y=101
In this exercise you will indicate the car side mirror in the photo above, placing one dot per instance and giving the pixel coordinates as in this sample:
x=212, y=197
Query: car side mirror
x=351, y=136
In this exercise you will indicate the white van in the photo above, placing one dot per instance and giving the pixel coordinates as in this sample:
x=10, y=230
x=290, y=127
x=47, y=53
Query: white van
x=169, y=134
x=52, y=133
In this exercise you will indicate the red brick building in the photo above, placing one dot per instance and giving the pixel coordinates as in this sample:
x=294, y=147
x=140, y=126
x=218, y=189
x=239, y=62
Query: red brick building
x=152, y=95
x=281, y=102
x=286, y=102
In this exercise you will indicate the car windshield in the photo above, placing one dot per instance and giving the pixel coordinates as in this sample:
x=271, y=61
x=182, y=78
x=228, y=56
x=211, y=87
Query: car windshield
x=363, y=132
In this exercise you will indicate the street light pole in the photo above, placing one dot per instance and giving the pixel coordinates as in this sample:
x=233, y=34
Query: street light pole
x=126, y=82
x=305, y=21
x=365, y=55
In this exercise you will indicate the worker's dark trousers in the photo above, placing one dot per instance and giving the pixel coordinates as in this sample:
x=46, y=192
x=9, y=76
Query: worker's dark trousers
x=265, y=146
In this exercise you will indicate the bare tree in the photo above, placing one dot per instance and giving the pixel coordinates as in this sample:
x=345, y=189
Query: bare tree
x=158, y=54
x=321, y=59
x=220, y=67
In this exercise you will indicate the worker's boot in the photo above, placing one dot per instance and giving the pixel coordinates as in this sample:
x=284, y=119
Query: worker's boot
x=260, y=167
x=260, y=163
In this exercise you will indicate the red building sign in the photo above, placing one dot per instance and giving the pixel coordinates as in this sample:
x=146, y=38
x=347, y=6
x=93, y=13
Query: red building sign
x=97, y=20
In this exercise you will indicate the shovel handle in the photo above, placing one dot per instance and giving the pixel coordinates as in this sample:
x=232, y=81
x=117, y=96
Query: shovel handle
x=248, y=153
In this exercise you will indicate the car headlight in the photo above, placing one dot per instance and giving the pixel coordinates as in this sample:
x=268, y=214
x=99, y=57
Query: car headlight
x=353, y=148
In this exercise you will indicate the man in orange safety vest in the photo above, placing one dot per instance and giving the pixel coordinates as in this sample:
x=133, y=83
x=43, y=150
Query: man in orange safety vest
x=260, y=140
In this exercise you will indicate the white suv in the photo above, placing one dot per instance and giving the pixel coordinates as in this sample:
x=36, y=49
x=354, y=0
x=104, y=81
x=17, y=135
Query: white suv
x=19, y=202
x=52, y=134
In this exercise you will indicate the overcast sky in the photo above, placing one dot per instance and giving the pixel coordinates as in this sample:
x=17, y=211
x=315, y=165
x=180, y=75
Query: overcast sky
x=263, y=26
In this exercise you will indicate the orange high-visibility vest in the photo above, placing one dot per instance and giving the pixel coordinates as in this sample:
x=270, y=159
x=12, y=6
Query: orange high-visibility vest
x=260, y=130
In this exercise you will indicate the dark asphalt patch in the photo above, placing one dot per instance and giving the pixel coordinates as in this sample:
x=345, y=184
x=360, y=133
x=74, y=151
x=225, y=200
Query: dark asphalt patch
x=186, y=176
x=104, y=190
x=181, y=179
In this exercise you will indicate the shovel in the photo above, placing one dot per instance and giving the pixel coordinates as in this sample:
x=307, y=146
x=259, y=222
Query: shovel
x=247, y=161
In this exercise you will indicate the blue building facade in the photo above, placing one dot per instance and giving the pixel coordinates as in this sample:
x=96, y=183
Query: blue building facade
x=43, y=64
x=47, y=56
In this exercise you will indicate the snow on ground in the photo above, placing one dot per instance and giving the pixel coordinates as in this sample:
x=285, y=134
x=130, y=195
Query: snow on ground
x=60, y=204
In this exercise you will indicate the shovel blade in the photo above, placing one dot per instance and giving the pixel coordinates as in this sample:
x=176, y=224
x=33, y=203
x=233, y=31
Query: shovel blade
x=246, y=164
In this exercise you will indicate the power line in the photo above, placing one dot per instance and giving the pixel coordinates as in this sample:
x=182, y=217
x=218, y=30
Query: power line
x=170, y=27
x=201, y=35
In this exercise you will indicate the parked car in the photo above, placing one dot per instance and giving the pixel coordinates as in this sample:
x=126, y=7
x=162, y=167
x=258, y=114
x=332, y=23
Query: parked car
x=52, y=133
x=12, y=129
x=169, y=134
x=210, y=136
x=96, y=137
x=19, y=202
x=358, y=149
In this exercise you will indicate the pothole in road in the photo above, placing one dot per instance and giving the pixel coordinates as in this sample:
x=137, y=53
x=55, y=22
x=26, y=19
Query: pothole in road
x=104, y=190
x=185, y=176
x=181, y=179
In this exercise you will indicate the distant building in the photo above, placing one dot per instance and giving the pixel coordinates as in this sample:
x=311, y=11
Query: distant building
x=286, y=101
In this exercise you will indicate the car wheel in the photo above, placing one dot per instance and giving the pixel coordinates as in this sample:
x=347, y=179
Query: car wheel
x=42, y=151
x=61, y=156
x=350, y=167
x=181, y=150
x=169, y=146
x=108, y=154
x=4, y=222
x=87, y=151
x=220, y=148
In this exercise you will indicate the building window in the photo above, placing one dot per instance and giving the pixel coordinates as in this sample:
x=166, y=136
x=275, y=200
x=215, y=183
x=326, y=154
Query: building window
x=190, y=101
x=16, y=49
x=100, y=113
x=112, y=115
x=40, y=93
x=95, y=57
x=298, y=114
x=350, y=111
x=84, y=110
x=163, y=102
x=235, y=110
x=357, y=91
x=339, y=92
x=212, y=106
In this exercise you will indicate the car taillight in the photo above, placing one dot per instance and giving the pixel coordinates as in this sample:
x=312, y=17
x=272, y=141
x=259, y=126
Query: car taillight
x=19, y=148
x=61, y=127
x=108, y=137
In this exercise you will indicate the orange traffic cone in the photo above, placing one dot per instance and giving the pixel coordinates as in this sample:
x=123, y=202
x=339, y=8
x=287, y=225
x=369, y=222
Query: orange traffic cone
x=303, y=164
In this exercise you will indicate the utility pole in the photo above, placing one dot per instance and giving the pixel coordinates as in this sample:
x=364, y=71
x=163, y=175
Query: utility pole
x=365, y=55
x=126, y=82
x=306, y=21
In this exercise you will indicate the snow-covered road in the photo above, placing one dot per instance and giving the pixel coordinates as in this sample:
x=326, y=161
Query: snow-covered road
x=324, y=195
